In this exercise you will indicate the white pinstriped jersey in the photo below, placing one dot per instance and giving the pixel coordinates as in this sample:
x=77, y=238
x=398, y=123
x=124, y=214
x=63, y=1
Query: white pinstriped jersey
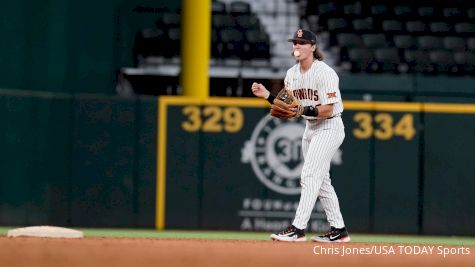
x=317, y=86
x=320, y=141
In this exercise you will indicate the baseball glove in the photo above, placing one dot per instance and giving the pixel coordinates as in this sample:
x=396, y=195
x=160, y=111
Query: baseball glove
x=286, y=106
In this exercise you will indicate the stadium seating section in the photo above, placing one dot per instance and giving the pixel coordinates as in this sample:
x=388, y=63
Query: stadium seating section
x=372, y=36
x=236, y=33
x=398, y=36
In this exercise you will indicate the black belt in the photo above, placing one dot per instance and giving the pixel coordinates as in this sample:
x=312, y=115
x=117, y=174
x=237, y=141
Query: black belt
x=334, y=116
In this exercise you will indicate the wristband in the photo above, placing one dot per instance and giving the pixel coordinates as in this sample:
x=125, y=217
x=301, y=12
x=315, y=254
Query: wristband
x=310, y=111
x=271, y=98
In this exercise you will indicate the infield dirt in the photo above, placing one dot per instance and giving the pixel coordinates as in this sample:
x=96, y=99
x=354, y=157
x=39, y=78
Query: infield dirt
x=131, y=252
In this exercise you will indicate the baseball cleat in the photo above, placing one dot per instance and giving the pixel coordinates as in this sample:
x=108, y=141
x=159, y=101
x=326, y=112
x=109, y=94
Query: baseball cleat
x=335, y=235
x=291, y=234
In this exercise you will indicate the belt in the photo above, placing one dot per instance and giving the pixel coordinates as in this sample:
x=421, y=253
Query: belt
x=329, y=118
x=334, y=116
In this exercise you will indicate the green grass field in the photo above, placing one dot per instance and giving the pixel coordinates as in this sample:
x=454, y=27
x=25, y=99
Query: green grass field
x=234, y=235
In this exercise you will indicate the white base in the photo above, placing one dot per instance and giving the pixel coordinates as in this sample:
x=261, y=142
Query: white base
x=45, y=231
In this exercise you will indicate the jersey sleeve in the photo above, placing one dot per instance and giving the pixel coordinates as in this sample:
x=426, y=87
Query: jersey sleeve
x=329, y=92
x=286, y=80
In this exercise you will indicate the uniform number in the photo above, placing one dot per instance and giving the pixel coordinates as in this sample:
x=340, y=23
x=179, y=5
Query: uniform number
x=212, y=119
x=386, y=128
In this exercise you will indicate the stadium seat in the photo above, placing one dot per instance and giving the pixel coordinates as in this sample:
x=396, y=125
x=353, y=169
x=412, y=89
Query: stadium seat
x=313, y=23
x=374, y=40
x=239, y=8
x=465, y=28
x=416, y=27
x=466, y=62
x=349, y=40
x=361, y=60
x=426, y=12
x=363, y=25
x=388, y=59
x=379, y=10
x=233, y=43
x=471, y=44
x=258, y=45
x=218, y=7
x=454, y=43
x=404, y=12
x=326, y=11
x=418, y=61
x=440, y=28
x=471, y=13
x=404, y=41
x=452, y=14
x=222, y=21
x=337, y=25
x=352, y=10
x=248, y=22
x=443, y=61
x=392, y=26
x=430, y=42
x=169, y=20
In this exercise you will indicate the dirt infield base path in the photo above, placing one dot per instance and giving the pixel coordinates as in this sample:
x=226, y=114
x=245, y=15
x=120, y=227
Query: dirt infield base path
x=131, y=252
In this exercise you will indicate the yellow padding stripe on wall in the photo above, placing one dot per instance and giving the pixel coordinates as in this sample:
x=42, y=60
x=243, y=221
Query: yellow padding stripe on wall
x=219, y=101
x=449, y=108
x=411, y=107
x=382, y=106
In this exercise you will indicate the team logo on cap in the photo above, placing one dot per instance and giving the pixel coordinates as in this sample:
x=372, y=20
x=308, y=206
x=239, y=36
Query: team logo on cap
x=299, y=33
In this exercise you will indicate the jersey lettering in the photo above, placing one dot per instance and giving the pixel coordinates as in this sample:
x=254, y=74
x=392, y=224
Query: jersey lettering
x=315, y=95
x=305, y=93
x=317, y=86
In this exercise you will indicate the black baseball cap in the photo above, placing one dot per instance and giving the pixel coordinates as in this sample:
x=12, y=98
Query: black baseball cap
x=305, y=36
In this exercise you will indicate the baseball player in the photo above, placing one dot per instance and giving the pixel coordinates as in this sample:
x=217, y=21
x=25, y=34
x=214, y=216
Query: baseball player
x=315, y=84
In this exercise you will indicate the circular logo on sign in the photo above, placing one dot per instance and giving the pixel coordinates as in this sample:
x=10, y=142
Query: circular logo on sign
x=275, y=153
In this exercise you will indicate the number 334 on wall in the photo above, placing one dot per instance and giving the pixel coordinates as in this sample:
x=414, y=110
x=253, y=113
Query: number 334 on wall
x=382, y=126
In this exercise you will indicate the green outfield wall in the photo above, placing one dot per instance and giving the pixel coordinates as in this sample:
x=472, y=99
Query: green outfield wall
x=402, y=168
x=223, y=163
x=77, y=160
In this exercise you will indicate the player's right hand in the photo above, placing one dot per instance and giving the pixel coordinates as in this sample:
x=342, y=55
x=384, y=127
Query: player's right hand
x=259, y=90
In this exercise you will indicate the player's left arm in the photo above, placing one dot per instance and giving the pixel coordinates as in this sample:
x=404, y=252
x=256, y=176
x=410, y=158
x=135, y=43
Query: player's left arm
x=324, y=111
x=321, y=111
x=329, y=93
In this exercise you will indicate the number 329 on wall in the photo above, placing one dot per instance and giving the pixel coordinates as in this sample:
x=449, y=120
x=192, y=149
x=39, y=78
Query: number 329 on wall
x=212, y=119
x=383, y=127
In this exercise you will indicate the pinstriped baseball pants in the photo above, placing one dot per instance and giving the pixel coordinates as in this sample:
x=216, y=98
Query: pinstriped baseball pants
x=319, y=144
